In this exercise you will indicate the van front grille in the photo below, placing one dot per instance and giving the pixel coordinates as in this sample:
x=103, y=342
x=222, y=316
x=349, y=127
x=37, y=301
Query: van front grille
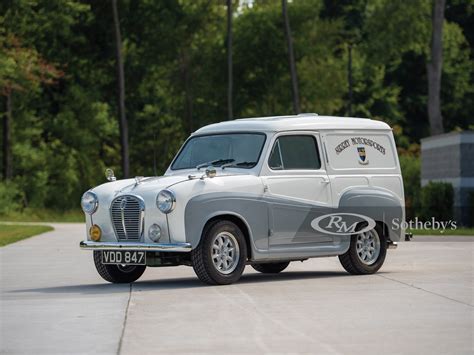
x=127, y=213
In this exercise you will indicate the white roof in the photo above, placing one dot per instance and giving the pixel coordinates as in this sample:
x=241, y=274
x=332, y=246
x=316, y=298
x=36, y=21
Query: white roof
x=306, y=121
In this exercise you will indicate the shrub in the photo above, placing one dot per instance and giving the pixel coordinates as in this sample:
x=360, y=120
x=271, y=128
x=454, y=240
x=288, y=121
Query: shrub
x=410, y=166
x=437, y=199
x=11, y=198
x=471, y=208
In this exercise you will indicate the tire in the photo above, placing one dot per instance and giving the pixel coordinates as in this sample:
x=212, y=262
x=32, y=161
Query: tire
x=271, y=268
x=356, y=261
x=116, y=273
x=220, y=257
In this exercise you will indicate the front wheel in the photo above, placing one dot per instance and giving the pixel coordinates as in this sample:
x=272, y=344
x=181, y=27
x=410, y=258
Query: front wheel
x=220, y=257
x=117, y=273
x=366, y=253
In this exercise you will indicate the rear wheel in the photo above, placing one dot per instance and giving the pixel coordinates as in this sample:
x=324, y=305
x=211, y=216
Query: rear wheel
x=220, y=257
x=271, y=268
x=366, y=253
x=117, y=273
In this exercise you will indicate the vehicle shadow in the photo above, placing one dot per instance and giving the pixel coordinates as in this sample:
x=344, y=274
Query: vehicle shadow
x=179, y=283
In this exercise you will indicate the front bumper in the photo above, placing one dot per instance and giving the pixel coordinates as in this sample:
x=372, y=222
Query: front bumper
x=177, y=247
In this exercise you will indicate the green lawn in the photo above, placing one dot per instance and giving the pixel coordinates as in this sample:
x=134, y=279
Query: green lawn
x=44, y=215
x=11, y=233
x=468, y=232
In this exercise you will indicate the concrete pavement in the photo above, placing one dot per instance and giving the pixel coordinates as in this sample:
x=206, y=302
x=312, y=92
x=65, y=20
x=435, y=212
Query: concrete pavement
x=53, y=302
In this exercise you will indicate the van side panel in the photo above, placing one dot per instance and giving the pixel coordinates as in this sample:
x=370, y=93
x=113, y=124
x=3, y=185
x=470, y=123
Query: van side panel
x=393, y=183
x=365, y=163
x=361, y=151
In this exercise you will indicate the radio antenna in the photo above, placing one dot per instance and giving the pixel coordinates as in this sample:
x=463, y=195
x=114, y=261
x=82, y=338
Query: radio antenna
x=154, y=154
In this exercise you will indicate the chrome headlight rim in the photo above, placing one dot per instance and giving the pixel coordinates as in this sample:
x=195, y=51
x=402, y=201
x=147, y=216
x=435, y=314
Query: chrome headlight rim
x=170, y=203
x=95, y=202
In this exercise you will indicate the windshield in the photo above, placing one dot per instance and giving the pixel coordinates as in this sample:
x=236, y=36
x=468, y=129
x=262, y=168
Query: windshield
x=240, y=150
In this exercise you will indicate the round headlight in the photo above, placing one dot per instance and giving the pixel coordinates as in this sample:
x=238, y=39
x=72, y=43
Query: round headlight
x=166, y=201
x=89, y=202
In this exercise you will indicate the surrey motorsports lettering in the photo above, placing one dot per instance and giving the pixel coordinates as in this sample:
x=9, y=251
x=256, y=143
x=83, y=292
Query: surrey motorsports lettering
x=360, y=143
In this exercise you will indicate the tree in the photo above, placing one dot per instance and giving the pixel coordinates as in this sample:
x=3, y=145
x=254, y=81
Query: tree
x=121, y=92
x=21, y=69
x=434, y=68
x=7, y=151
x=229, y=60
x=407, y=26
x=59, y=138
x=261, y=61
x=349, y=80
x=291, y=59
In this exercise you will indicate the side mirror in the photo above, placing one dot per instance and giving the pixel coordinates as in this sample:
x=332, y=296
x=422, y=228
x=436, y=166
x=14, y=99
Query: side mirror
x=109, y=174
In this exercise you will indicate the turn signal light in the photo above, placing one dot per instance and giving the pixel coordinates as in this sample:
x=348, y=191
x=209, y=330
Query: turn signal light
x=95, y=233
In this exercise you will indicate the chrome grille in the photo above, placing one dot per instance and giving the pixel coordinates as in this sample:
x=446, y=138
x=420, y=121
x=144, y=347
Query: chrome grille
x=127, y=213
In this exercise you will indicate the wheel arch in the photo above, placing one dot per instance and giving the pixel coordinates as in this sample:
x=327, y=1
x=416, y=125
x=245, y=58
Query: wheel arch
x=379, y=204
x=248, y=211
x=385, y=229
x=236, y=219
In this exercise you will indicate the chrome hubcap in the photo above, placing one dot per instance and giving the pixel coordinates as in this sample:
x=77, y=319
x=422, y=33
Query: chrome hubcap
x=225, y=252
x=368, y=247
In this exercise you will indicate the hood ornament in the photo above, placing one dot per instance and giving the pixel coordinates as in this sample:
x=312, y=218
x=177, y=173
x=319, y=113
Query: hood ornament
x=138, y=180
x=209, y=173
x=109, y=174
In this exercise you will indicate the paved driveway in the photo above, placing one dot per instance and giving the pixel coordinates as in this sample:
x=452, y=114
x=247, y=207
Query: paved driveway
x=53, y=302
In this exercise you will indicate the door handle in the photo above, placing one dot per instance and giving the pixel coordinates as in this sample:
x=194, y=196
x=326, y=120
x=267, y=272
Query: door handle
x=325, y=181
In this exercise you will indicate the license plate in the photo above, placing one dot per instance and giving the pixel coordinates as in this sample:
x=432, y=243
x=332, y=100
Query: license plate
x=123, y=257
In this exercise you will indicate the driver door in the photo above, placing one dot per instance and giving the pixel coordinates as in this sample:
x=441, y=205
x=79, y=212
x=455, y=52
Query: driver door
x=297, y=189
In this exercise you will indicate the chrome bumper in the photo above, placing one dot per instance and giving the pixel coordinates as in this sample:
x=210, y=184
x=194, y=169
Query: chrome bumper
x=177, y=247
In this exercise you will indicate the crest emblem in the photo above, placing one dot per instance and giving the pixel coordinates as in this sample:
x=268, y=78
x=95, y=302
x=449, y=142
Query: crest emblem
x=362, y=156
x=123, y=204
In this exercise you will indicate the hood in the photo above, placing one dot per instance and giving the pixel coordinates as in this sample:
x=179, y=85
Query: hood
x=152, y=184
x=155, y=183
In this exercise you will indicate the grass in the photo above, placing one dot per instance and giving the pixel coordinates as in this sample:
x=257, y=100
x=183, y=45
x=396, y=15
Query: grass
x=11, y=233
x=44, y=215
x=468, y=232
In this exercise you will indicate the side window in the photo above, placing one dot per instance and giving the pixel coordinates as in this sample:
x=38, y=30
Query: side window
x=295, y=152
x=275, y=160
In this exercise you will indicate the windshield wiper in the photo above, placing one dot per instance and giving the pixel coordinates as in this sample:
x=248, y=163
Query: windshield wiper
x=241, y=164
x=215, y=163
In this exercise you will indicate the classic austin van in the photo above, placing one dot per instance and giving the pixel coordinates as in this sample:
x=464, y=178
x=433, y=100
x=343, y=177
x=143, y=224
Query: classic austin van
x=260, y=191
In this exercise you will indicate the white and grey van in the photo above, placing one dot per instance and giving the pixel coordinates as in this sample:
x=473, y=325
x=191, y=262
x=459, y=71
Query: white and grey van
x=259, y=191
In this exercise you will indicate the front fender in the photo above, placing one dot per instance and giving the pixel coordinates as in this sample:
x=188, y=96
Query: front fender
x=250, y=208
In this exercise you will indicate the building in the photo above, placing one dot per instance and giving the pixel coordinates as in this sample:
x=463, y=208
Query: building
x=450, y=158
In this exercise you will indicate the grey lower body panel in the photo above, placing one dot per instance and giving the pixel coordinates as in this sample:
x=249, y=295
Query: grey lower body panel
x=281, y=228
x=292, y=253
